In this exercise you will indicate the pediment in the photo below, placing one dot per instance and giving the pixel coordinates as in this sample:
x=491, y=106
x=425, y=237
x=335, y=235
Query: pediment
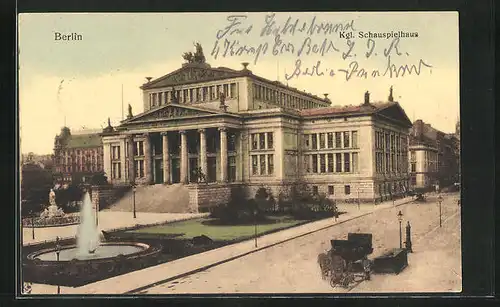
x=191, y=74
x=396, y=112
x=170, y=112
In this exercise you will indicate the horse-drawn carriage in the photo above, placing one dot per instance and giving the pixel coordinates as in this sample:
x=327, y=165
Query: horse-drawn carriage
x=347, y=261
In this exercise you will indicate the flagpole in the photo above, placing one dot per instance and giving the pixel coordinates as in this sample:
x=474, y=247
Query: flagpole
x=122, y=101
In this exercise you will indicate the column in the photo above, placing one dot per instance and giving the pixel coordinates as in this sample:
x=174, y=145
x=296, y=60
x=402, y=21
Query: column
x=107, y=160
x=223, y=154
x=239, y=164
x=123, y=159
x=203, y=151
x=184, y=157
x=148, y=174
x=166, y=158
x=130, y=159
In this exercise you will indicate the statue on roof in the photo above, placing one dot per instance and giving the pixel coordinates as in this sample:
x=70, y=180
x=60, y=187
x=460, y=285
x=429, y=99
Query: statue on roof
x=197, y=57
x=129, y=111
x=109, y=122
x=175, y=99
x=391, y=98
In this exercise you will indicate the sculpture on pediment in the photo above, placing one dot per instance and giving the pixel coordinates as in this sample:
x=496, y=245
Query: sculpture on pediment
x=175, y=99
x=222, y=97
x=129, y=111
x=197, y=57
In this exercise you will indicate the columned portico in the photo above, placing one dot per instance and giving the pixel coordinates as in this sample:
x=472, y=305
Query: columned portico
x=184, y=157
x=203, y=151
x=223, y=154
x=148, y=169
x=166, y=158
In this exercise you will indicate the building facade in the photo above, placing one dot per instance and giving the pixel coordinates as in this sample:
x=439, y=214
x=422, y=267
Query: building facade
x=434, y=157
x=77, y=157
x=230, y=127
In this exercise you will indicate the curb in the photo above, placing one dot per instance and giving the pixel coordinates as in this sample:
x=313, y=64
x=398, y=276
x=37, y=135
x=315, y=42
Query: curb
x=206, y=267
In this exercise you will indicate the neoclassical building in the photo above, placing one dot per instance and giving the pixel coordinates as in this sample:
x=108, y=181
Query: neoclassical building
x=214, y=128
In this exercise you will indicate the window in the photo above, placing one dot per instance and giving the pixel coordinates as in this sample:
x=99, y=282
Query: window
x=354, y=161
x=330, y=190
x=306, y=141
x=315, y=190
x=413, y=167
x=338, y=164
x=262, y=140
x=347, y=189
x=270, y=164
x=255, y=169
x=387, y=160
x=346, y=139
x=347, y=168
x=315, y=163
x=413, y=180
x=322, y=163
x=270, y=140
x=354, y=139
x=338, y=140
x=139, y=168
x=232, y=168
x=330, y=140
x=387, y=142
x=233, y=90
x=231, y=142
x=262, y=164
x=330, y=163
x=139, y=148
x=314, y=141
x=116, y=171
x=254, y=141
x=321, y=140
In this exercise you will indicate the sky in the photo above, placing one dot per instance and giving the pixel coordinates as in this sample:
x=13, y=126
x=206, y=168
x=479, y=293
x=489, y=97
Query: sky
x=78, y=83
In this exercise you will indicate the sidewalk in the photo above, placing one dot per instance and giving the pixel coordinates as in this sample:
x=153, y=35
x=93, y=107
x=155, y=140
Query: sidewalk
x=137, y=281
x=107, y=221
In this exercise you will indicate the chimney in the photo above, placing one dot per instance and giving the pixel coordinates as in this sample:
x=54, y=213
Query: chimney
x=418, y=127
x=367, y=98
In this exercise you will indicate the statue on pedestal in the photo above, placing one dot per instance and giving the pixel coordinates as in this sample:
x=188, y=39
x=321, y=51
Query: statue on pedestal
x=52, y=210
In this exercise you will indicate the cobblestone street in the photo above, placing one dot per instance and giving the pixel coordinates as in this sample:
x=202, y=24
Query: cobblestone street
x=291, y=267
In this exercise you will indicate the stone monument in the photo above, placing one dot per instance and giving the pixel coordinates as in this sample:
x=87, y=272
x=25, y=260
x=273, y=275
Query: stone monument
x=52, y=210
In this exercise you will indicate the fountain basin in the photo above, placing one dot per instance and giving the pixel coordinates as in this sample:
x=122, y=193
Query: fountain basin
x=110, y=259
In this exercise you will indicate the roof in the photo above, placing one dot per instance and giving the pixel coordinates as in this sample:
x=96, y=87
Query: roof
x=347, y=110
x=84, y=141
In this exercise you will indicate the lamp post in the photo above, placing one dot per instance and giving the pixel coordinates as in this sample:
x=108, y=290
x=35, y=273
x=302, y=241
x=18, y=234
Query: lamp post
x=400, y=219
x=359, y=205
x=32, y=225
x=440, y=199
x=134, y=189
x=255, y=226
x=58, y=250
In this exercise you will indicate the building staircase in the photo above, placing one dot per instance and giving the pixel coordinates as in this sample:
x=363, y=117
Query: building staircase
x=156, y=198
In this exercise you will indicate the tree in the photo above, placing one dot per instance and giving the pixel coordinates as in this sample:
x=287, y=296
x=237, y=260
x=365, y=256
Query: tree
x=35, y=187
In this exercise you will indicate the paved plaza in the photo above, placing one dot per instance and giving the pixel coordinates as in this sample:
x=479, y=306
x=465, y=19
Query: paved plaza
x=291, y=266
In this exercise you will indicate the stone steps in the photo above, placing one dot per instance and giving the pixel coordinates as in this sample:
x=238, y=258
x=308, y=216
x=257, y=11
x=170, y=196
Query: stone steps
x=157, y=198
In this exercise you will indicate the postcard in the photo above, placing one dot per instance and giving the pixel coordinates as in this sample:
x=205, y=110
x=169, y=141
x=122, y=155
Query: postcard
x=239, y=153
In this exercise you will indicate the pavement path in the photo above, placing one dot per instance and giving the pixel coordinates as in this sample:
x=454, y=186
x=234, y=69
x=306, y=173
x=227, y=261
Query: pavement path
x=291, y=267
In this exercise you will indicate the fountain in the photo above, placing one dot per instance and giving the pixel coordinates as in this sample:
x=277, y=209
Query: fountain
x=89, y=254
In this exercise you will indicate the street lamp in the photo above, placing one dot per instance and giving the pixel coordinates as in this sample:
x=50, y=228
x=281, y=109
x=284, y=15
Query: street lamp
x=134, y=189
x=400, y=219
x=255, y=225
x=58, y=250
x=440, y=199
x=32, y=225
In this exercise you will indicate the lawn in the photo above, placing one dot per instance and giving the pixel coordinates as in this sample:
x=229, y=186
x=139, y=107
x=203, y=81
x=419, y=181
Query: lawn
x=196, y=227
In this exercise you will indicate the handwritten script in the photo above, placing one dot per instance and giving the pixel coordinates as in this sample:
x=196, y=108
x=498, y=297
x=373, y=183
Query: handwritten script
x=321, y=41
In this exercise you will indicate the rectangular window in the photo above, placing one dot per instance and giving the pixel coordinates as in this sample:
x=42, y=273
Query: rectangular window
x=338, y=140
x=413, y=167
x=254, y=141
x=354, y=161
x=270, y=140
x=139, y=148
x=347, y=166
x=306, y=141
x=387, y=160
x=330, y=163
x=262, y=164
x=255, y=166
x=233, y=90
x=347, y=189
x=338, y=162
x=314, y=141
x=315, y=190
x=307, y=163
x=354, y=139
x=322, y=163
x=315, y=163
x=331, y=190
x=387, y=142
x=270, y=164
x=139, y=168
x=393, y=163
x=115, y=152
x=321, y=140
x=346, y=139
x=330, y=140
x=117, y=170
x=262, y=141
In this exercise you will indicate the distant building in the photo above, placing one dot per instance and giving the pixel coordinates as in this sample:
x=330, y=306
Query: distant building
x=77, y=156
x=434, y=157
